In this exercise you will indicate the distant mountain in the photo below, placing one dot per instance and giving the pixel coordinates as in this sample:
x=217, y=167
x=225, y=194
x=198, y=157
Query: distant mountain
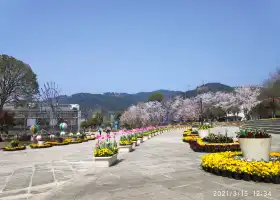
x=112, y=101
x=208, y=87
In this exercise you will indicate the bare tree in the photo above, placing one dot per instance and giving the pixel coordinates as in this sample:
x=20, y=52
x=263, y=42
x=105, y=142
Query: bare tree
x=49, y=96
x=270, y=92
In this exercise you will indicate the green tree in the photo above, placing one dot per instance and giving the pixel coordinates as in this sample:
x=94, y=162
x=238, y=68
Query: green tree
x=92, y=123
x=99, y=118
x=158, y=96
x=84, y=125
x=118, y=116
x=17, y=81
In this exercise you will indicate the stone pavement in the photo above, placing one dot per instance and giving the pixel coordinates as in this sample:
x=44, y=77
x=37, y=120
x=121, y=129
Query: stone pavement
x=161, y=168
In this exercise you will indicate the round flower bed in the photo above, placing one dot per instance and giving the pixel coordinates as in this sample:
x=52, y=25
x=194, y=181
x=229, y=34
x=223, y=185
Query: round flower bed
x=37, y=146
x=18, y=148
x=232, y=165
x=198, y=145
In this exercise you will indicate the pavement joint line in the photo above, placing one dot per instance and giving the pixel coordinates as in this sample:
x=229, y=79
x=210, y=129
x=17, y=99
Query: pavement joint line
x=180, y=186
x=31, y=179
x=53, y=172
x=16, y=197
x=7, y=180
x=115, y=175
x=114, y=190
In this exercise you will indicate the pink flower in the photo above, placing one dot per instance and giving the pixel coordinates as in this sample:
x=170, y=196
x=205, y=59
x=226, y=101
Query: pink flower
x=97, y=144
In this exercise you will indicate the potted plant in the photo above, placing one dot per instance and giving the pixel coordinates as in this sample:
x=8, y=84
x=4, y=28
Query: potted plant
x=105, y=153
x=125, y=144
x=255, y=144
x=203, y=131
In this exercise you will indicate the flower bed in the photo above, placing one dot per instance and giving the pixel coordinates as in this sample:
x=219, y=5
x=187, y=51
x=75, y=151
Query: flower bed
x=185, y=134
x=37, y=146
x=232, y=165
x=18, y=148
x=190, y=138
x=77, y=141
x=58, y=143
x=199, y=145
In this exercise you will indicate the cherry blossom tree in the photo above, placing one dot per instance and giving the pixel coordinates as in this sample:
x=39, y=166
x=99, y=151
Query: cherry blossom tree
x=189, y=109
x=247, y=98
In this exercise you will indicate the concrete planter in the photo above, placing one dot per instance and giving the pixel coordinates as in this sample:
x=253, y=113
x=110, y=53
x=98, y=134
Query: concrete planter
x=74, y=139
x=125, y=148
x=150, y=136
x=41, y=143
x=203, y=133
x=105, y=161
x=134, y=144
x=145, y=138
x=92, y=136
x=255, y=148
x=88, y=137
x=139, y=140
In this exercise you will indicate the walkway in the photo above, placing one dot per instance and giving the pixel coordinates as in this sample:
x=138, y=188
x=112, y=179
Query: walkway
x=161, y=168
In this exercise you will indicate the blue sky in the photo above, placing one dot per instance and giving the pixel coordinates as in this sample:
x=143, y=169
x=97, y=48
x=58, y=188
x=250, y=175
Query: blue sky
x=143, y=45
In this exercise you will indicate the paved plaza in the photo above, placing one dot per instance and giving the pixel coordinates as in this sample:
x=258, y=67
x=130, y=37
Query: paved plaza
x=161, y=168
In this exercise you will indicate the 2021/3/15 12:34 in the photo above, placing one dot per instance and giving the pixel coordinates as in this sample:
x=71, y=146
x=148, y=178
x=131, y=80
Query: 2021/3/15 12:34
x=242, y=193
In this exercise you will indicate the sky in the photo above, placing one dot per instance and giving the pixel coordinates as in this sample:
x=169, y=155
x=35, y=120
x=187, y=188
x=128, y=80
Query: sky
x=132, y=46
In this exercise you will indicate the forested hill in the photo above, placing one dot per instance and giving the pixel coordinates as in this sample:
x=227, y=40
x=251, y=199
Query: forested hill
x=112, y=101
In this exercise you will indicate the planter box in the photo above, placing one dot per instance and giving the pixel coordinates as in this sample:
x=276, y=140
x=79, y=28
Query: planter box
x=203, y=133
x=41, y=143
x=92, y=136
x=145, y=138
x=105, y=161
x=125, y=148
x=195, y=129
x=255, y=148
x=150, y=136
x=74, y=139
x=88, y=137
